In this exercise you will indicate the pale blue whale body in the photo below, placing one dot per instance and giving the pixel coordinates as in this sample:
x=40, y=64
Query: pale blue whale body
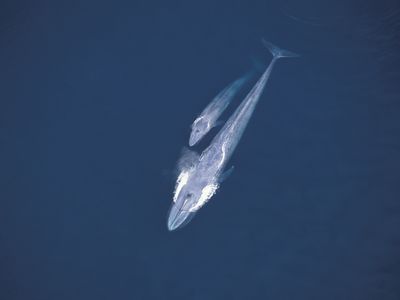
x=209, y=116
x=197, y=184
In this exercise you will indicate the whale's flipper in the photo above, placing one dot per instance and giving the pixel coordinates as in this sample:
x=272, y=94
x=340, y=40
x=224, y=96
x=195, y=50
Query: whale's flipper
x=219, y=123
x=278, y=52
x=188, y=159
x=226, y=174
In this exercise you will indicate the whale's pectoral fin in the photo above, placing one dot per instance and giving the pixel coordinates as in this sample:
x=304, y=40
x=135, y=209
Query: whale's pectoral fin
x=219, y=123
x=188, y=159
x=226, y=174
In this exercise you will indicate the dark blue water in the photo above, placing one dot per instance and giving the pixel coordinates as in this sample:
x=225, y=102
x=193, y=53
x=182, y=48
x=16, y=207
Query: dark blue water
x=96, y=99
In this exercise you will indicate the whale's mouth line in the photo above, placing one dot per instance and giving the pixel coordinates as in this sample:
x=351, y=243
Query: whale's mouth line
x=180, y=219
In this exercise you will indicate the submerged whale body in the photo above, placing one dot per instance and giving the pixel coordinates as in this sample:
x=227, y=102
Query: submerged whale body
x=198, y=183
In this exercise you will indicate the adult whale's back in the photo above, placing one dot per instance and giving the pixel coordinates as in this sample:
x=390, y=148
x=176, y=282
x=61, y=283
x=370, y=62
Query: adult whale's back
x=232, y=131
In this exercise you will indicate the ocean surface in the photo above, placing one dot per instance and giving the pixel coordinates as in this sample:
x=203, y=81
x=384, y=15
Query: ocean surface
x=96, y=102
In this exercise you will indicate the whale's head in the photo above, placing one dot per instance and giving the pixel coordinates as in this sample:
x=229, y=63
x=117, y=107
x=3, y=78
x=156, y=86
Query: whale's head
x=191, y=193
x=180, y=213
x=200, y=128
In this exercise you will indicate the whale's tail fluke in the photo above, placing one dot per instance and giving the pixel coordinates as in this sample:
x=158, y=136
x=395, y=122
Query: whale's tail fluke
x=278, y=52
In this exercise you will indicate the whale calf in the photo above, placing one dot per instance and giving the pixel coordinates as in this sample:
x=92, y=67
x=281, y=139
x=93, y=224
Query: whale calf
x=209, y=116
